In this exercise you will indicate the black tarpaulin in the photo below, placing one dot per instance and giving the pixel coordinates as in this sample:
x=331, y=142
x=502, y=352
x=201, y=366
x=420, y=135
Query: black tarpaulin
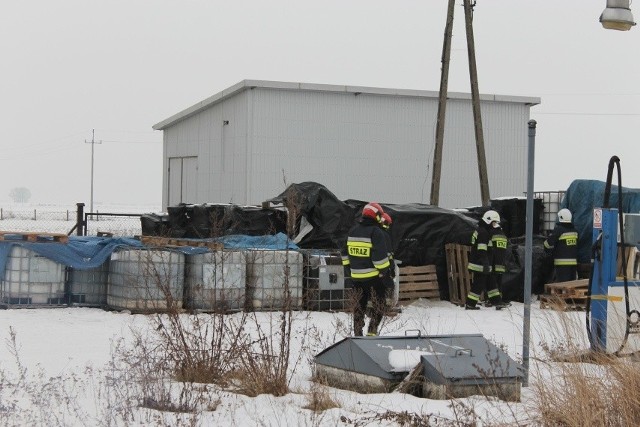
x=330, y=218
x=541, y=272
x=213, y=220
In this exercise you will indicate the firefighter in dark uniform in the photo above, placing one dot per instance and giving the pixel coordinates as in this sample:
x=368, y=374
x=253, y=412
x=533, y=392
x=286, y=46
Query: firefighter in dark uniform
x=480, y=264
x=498, y=251
x=385, y=223
x=563, y=243
x=366, y=264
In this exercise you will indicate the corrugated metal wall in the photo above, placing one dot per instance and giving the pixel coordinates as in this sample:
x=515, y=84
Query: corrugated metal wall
x=360, y=146
x=505, y=142
x=221, y=151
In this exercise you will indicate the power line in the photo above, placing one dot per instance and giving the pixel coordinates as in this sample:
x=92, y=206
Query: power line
x=130, y=142
x=584, y=114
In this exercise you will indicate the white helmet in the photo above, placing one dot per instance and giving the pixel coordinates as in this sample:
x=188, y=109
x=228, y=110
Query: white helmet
x=564, y=215
x=491, y=216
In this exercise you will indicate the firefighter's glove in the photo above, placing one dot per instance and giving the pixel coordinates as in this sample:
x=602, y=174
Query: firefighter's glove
x=486, y=269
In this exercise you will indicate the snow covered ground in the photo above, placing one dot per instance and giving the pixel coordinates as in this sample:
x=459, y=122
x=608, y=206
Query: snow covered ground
x=56, y=369
x=60, y=366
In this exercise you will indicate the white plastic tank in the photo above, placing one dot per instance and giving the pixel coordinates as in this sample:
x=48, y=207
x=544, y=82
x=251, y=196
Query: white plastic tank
x=551, y=205
x=216, y=281
x=31, y=279
x=274, y=279
x=88, y=288
x=146, y=280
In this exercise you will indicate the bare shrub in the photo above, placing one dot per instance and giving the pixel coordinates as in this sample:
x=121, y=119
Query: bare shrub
x=262, y=365
x=319, y=399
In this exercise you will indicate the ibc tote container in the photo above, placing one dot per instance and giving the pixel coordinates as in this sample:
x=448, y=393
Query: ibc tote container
x=88, y=288
x=143, y=280
x=216, y=281
x=325, y=288
x=31, y=280
x=269, y=274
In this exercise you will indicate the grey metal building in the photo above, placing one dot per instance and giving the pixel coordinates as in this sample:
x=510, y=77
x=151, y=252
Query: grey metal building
x=247, y=143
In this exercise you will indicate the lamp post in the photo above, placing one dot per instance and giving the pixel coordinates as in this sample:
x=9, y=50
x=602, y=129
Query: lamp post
x=617, y=16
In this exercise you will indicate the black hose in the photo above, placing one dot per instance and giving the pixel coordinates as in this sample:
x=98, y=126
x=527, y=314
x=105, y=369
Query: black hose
x=596, y=252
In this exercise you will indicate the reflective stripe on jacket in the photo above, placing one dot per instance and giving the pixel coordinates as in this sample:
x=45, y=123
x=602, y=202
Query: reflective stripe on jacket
x=563, y=241
x=479, y=256
x=499, y=243
x=365, y=253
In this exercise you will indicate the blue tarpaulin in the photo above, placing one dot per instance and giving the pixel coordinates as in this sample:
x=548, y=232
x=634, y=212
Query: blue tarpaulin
x=278, y=241
x=582, y=197
x=83, y=253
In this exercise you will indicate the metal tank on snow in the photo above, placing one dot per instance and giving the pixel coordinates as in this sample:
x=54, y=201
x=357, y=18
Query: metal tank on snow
x=274, y=279
x=324, y=283
x=88, y=288
x=143, y=280
x=450, y=366
x=31, y=280
x=215, y=281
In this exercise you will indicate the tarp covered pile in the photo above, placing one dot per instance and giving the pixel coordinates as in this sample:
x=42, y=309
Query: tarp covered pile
x=582, y=197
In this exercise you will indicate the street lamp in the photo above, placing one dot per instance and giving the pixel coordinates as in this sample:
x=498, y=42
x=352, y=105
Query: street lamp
x=617, y=16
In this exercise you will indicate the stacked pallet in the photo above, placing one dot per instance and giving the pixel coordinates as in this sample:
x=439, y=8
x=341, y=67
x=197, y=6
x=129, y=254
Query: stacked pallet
x=33, y=236
x=564, y=296
x=418, y=282
x=458, y=276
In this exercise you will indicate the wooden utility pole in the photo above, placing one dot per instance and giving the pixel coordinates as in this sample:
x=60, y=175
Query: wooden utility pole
x=475, y=99
x=442, y=107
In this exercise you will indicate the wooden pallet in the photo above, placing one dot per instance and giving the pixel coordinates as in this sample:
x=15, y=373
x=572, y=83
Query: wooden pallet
x=565, y=296
x=168, y=242
x=633, y=259
x=571, y=289
x=418, y=282
x=554, y=302
x=458, y=276
x=33, y=236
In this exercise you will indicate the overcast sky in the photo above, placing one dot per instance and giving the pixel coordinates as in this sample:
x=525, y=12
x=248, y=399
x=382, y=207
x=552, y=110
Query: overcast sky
x=119, y=67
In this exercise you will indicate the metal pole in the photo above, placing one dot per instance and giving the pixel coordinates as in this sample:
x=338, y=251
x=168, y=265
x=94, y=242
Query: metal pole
x=92, y=149
x=80, y=225
x=475, y=101
x=442, y=107
x=528, y=250
x=93, y=143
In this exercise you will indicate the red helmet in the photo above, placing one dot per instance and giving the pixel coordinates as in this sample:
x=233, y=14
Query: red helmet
x=372, y=210
x=386, y=220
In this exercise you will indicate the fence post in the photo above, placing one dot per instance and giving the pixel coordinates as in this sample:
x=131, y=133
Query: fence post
x=80, y=225
x=34, y=215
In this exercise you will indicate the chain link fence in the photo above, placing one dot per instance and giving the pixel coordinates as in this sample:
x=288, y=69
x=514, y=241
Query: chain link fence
x=59, y=220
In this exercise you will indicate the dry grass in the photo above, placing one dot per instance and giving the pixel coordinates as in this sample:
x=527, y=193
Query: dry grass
x=601, y=393
x=577, y=387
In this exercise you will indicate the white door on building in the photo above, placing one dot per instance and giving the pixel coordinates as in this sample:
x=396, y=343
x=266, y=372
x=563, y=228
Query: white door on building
x=183, y=172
